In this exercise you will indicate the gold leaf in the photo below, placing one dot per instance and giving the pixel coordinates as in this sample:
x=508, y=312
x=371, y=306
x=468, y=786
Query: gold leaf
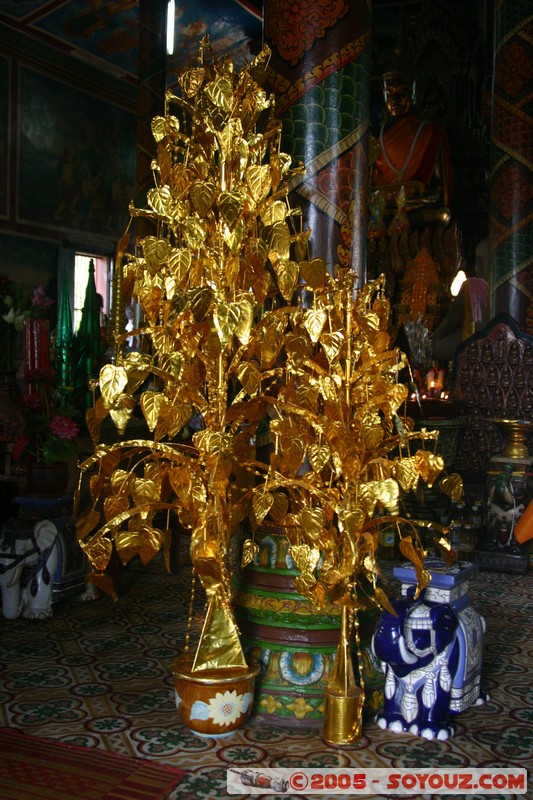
x=279, y=241
x=144, y=491
x=96, y=483
x=272, y=344
x=396, y=396
x=173, y=363
x=194, y=231
x=261, y=286
x=202, y=196
x=226, y=318
x=219, y=92
x=249, y=376
x=314, y=272
x=119, y=480
x=249, y=551
x=113, y=381
x=230, y=139
x=257, y=253
x=388, y=492
x=332, y=344
x=277, y=212
x=179, y=264
x=312, y=521
x=213, y=443
x=230, y=205
x=164, y=126
x=246, y=318
x=416, y=556
x=138, y=366
x=200, y=302
x=368, y=497
x=304, y=557
x=452, y=486
x=293, y=449
x=406, y=473
x=318, y=456
x=180, y=480
x=304, y=585
x=314, y=321
x=98, y=552
x=429, y=466
x=259, y=181
x=172, y=419
x=152, y=539
x=233, y=238
x=352, y=519
x=152, y=403
x=191, y=81
x=287, y=275
x=159, y=128
x=113, y=506
x=150, y=299
x=128, y=544
x=297, y=346
x=280, y=506
x=94, y=419
x=160, y=200
x=445, y=550
x=262, y=503
x=122, y=411
x=155, y=252
x=383, y=601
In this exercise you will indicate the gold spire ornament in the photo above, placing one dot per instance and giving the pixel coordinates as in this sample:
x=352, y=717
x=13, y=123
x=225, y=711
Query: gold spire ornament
x=241, y=324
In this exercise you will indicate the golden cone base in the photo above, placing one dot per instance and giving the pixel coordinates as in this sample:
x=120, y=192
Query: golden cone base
x=343, y=717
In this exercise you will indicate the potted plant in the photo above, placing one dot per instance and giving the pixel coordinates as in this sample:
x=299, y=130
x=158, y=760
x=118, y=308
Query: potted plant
x=225, y=284
x=50, y=442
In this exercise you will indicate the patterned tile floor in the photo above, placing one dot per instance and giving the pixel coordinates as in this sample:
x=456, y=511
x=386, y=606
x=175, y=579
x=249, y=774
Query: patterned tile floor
x=98, y=674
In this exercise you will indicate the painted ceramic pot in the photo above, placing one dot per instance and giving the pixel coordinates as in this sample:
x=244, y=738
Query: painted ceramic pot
x=213, y=702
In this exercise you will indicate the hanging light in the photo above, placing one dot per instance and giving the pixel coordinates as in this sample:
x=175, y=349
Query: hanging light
x=457, y=282
x=171, y=11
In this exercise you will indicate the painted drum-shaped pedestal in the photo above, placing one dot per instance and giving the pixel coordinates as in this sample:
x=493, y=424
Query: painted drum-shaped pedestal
x=294, y=643
x=213, y=703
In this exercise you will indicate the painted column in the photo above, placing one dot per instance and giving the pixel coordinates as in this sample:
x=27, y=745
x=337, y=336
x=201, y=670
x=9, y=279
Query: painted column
x=511, y=182
x=320, y=75
x=151, y=97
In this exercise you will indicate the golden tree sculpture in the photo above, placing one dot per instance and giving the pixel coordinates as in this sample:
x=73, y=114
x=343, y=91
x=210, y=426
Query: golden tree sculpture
x=239, y=320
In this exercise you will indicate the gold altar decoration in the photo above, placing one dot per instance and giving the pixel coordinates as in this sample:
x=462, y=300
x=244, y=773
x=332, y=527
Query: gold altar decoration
x=241, y=325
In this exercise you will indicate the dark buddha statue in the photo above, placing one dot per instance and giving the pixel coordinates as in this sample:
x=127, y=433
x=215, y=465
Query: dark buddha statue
x=411, y=175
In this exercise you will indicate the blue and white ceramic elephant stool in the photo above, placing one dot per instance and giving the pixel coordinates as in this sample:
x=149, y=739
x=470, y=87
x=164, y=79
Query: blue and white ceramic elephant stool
x=28, y=560
x=431, y=656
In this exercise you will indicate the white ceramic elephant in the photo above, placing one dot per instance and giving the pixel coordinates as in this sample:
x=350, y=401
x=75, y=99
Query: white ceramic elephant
x=28, y=561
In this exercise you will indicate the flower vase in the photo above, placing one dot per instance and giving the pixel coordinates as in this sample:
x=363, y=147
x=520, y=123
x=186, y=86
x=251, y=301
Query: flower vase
x=213, y=703
x=36, y=355
x=48, y=480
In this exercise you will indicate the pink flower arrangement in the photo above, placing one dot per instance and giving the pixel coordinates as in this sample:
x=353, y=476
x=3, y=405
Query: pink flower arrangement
x=40, y=299
x=50, y=436
x=64, y=427
x=19, y=303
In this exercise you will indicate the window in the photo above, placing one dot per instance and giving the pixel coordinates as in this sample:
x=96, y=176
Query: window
x=102, y=277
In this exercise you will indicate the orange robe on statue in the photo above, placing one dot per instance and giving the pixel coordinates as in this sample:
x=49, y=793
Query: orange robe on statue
x=411, y=150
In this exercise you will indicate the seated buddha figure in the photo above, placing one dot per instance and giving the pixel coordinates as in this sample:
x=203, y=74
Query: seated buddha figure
x=411, y=174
